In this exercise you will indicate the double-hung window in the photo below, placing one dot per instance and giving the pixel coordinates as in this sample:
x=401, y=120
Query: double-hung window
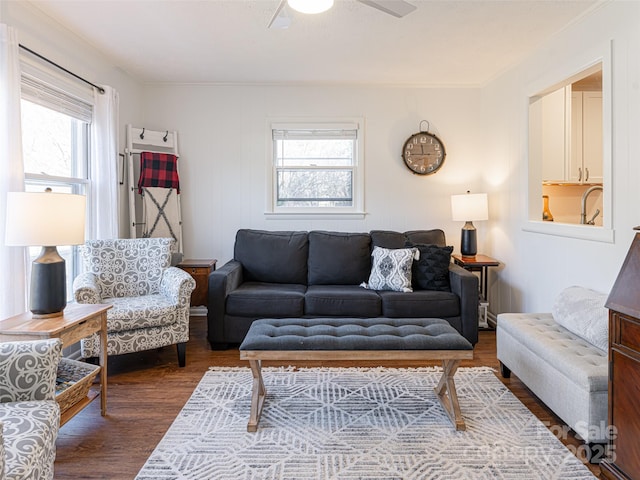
x=317, y=168
x=56, y=118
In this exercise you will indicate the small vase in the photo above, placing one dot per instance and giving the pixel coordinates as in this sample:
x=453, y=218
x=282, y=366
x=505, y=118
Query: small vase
x=546, y=213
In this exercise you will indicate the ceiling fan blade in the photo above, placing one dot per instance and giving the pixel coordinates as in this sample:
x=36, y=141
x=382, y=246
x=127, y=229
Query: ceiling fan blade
x=397, y=8
x=281, y=18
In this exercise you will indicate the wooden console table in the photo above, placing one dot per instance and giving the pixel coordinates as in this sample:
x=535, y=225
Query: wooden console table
x=78, y=321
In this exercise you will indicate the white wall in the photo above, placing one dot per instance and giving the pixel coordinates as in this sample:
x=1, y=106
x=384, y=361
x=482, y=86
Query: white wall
x=224, y=155
x=223, y=143
x=46, y=37
x=538, y=266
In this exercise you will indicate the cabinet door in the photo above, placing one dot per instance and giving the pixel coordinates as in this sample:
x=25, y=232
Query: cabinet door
x=576, y=169
x=592, y=136
x=585, y=156
x=553, y=133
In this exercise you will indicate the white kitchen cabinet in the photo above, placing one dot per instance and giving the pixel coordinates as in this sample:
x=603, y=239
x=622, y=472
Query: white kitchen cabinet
x=585, y=153
x=551, y=126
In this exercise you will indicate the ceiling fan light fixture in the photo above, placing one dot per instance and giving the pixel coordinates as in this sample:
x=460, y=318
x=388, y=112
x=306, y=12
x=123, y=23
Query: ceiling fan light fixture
x=310, y=6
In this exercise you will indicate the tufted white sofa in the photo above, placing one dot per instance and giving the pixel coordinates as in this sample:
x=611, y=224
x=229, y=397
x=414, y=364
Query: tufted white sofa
x=29, y=413
x=562, y=358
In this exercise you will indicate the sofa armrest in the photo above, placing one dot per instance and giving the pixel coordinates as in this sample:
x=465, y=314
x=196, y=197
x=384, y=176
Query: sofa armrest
x=28, y=370
x=222, y=281
x=177, y=285
x=85, y=288
x=465, y=285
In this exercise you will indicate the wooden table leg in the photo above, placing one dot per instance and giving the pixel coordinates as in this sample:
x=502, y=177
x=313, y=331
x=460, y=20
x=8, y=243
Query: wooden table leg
x=103, y=364
x=446, y=391
x=257, y=395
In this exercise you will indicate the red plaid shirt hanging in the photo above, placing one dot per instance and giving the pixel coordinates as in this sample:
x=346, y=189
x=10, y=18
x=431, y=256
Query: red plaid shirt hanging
x=158, y=170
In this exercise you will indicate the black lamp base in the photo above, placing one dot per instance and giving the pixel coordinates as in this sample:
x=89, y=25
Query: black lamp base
x=468, y=241
x=48, y=284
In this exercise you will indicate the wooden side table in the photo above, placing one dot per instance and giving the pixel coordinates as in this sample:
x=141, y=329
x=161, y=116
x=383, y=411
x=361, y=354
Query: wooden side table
x=78, y=321
x=479, y=263
x=199, y=270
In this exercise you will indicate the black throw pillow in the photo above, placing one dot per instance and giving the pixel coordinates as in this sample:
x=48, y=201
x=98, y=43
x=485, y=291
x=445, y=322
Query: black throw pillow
x=431, y=271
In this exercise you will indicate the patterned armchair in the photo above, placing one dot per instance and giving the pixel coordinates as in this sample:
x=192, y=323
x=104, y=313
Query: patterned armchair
x=150, y=298
x=29, y=413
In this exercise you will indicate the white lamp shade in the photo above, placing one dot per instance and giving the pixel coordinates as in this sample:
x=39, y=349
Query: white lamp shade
x=310, y=6
x=45, y=219
x=469, y=207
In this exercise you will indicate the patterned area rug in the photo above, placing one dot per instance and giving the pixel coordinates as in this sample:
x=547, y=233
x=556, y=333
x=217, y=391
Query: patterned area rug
x=338, y=423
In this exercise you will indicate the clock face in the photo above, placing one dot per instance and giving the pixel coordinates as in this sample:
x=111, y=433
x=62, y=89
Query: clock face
x=423, y=153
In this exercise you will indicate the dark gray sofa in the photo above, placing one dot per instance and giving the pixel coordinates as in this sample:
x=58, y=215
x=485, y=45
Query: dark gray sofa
x=318, y=274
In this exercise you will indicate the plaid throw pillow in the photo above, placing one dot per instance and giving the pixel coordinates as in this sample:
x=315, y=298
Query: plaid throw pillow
x=431, y=270
x=391, y=269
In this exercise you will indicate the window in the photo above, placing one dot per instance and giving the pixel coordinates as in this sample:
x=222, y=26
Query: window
x=317, y=168
x=55, y=147
x=564, y=163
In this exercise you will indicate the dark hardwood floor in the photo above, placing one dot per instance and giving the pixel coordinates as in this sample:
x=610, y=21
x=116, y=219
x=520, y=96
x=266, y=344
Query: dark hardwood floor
x=147, y=390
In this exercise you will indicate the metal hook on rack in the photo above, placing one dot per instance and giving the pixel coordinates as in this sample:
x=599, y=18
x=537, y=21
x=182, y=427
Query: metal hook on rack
x=142, y=134
x=420, y=126
x=166, y=135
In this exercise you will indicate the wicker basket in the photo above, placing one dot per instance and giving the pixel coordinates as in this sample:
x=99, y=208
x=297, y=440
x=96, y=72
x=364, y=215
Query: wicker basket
x=73, y=382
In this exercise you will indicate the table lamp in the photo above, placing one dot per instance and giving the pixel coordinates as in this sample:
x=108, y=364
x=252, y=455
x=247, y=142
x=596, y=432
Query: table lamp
x=46, y=219
x=467, y=208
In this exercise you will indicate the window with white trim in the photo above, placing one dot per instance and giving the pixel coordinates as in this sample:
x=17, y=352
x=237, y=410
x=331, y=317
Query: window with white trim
x=316, y=168
x=55, y=144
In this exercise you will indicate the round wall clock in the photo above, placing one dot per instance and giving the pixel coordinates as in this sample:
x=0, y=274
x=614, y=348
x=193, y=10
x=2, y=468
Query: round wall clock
x=423, y=153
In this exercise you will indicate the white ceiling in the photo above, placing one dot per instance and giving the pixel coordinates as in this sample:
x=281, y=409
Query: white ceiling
x=442, y=43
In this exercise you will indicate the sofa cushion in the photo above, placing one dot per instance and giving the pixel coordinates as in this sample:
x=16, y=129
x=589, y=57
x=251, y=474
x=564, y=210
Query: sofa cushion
x=337, y=258
x=427, y=237
x=272, y=257
x=391, y=269
x=341, y=300
x=420, y=303
x=387, y=239
x=431, y=270
x=255, y=299
x=581, y=311
x=391, y=239
x=130, y=313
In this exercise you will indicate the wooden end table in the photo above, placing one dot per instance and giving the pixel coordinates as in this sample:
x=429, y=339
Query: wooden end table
x=479, y=263
x=200, y=271
x=78, y=321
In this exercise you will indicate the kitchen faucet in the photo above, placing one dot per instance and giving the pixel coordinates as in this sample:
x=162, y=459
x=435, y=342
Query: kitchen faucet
x=583, y=210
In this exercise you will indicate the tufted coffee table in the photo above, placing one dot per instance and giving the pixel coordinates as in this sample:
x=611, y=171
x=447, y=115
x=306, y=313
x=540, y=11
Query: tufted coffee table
x=291, y=339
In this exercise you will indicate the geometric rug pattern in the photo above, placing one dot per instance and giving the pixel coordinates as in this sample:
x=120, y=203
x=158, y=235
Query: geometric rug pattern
x=357, y=423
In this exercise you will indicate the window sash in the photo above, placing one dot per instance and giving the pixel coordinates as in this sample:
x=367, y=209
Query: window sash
x=339, y=163
x=313, y=193
x=288, y=156
x=71, y=253
x=78, y=143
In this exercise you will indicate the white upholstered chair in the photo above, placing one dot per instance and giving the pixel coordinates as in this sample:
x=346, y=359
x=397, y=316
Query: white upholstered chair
x=150, y=298
x=29, y=413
